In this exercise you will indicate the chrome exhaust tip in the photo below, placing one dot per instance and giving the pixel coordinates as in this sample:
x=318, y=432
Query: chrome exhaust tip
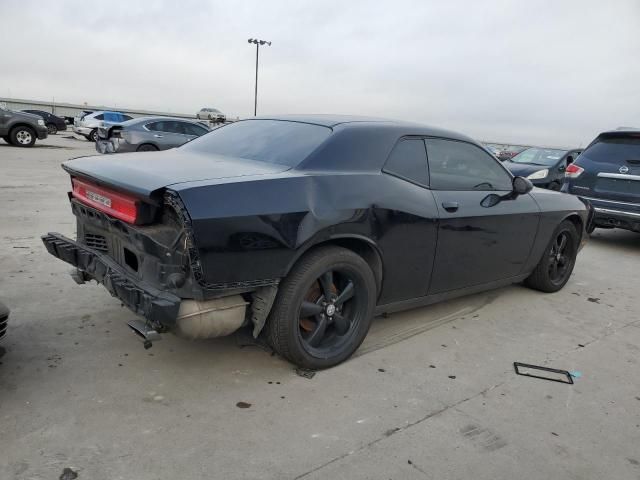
x=146, y=333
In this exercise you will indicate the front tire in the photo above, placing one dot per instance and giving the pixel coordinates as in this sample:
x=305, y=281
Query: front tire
x=52, y=129
x=22, y=136
x=324, y=308
x=556, y=265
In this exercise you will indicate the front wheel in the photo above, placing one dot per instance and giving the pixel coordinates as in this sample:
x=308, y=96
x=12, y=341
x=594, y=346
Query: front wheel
x=22, y=137
x=555, y=266
x=324, y=308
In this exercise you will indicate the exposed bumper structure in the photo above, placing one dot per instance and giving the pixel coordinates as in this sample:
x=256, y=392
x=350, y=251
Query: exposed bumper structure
x=157, y=306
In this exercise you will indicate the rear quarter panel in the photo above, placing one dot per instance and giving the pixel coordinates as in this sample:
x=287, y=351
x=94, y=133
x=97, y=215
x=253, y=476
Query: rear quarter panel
x=257, y=228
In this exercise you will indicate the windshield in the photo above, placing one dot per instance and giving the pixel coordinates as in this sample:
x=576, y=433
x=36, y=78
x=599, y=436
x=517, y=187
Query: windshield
x=547, y=157
x=273, y=141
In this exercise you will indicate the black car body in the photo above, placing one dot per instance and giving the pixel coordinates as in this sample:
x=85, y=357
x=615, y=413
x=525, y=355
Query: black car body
x=247, y=210
x=54, y=123
x=607, y=174
x=545, y=167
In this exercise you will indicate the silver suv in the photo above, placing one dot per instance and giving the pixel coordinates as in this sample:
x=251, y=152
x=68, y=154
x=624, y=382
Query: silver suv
x=88, y=123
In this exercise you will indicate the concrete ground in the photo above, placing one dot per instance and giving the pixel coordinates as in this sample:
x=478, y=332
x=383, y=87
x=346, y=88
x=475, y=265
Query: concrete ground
x=430, y=394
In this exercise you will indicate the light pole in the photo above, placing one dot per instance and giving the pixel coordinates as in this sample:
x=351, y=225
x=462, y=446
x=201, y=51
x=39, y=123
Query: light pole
x=258, y=43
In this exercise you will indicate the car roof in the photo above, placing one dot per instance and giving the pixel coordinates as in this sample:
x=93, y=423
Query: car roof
x=356, y=121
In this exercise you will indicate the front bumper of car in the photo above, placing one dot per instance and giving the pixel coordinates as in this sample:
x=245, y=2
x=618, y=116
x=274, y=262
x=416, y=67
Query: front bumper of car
x=42, y=132
x=81, y=130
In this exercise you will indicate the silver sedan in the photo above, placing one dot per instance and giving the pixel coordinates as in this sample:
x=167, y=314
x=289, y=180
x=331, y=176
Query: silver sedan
x=147, y=134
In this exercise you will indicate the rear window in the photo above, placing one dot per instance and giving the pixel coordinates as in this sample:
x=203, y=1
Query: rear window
x=273, y=141
x=614, y=150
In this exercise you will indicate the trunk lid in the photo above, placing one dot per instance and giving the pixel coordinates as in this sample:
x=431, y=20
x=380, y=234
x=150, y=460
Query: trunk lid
x=143, y=173
x=611, y=168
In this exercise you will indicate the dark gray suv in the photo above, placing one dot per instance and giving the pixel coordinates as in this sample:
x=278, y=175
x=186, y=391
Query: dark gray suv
x=21, y=129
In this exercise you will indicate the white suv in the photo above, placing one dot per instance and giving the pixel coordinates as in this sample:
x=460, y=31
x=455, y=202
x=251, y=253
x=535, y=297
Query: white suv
x=87, y=124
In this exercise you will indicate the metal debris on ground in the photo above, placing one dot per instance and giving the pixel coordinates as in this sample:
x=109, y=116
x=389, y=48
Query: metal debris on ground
x=527, y=370
x=303, y=372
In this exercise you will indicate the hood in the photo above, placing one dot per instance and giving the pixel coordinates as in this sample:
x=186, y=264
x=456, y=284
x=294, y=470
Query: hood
x=30, y=116
x=523, y=169
x=143, y=173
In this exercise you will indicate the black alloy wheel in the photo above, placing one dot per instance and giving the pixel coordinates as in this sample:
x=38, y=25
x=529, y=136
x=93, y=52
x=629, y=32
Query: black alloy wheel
x=323, y=309
x=561, y=256
x=52, y=129
x=556, y=265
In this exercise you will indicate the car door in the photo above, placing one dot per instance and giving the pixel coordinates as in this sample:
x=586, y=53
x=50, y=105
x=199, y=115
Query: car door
x=193, y=130
x=163, y=134
x=406, y=220
x=479, y=240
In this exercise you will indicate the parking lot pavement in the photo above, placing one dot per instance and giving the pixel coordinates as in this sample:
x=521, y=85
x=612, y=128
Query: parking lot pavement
x=430, y=394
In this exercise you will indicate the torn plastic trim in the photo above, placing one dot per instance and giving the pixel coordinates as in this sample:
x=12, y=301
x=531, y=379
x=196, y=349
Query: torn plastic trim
x=262, y=301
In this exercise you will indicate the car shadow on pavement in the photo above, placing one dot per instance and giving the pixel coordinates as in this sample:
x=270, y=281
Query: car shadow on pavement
x=616, y=238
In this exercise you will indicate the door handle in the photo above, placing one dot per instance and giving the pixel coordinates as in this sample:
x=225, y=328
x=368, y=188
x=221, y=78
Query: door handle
x=158, y=136
x=450, y=206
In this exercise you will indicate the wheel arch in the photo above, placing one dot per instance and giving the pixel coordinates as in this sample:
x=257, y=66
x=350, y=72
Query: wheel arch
x=147, y=143
x=361, y=245
x=577, y=222
x=21, y=124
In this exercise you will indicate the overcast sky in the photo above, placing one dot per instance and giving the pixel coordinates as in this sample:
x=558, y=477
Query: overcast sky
x=546, y=72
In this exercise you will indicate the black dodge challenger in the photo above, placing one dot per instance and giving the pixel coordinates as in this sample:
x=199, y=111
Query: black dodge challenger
x=306, y=227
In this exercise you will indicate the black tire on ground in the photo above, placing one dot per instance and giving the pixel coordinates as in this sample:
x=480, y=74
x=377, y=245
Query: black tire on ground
x=52, y=129
x=555, y=186
x=22, y=136
x=147, y=147
x=93, y=135
x=323, y=309
x=559, y=258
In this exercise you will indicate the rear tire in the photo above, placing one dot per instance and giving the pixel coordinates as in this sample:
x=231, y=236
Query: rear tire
x=93, y=136
x=324, y=308
x=22, y=136
x=147, y=147
x=559, y=258
x=52, y=129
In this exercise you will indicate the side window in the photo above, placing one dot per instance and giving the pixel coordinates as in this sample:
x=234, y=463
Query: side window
x=127, y=117
x=457, y=165
x=154, y=127
x=195, y=130
x=408, y=160
x=99, y=117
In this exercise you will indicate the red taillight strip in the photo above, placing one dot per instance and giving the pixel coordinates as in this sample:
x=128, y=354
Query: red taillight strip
x=112, y=203
x=573, y=171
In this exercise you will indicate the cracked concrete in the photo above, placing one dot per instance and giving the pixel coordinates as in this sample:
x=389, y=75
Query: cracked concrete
x=77, y=390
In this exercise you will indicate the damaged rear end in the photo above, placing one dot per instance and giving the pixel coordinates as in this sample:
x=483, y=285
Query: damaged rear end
x=141, y=248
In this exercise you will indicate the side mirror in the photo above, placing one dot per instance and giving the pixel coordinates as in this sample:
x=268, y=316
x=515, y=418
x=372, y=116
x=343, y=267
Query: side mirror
x=522, y=186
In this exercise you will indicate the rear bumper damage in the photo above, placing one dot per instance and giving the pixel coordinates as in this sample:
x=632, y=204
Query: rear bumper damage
x=158, y=307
